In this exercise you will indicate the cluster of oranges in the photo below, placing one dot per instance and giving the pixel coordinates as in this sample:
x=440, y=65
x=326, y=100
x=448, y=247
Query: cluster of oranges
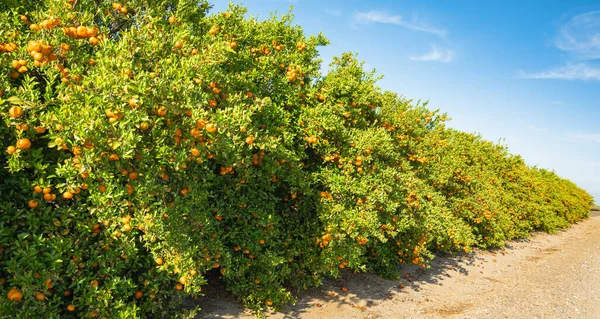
x=277, y=46
x=119, y=8
x=45, y=24
x=20, y=66
x=301, y=46
x=113, y=116
x=293, y=72
x=91, y=33
x=8, y=47
x=311, y=139
x=41, y=52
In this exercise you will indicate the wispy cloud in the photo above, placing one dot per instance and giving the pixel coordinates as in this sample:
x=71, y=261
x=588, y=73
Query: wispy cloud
x=414, y=24
x=580, y=37
x=583, y=138
x=335, y=12
x=579, y=71
x=436, y=54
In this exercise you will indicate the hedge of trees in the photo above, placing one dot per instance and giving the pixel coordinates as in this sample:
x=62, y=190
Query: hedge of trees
x=148, y=142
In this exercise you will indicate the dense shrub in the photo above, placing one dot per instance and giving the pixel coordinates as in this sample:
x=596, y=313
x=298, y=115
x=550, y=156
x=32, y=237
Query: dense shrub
x=149, y=142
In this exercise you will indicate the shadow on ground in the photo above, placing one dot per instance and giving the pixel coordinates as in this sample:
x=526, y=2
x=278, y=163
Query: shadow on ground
x=364, y=290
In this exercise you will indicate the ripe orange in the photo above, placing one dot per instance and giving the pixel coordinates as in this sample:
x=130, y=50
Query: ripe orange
x=138, y=294
x=23, y=144
x=15, y=111
x=11, y=150
x=178, y=286
x=82, y=31
x=40, y=296
x=71, y=308
x=67, y=195
x=14, y=295
x=211, y=128
x=249, y=140
x=158, y=261
x=94, y=283
x=37, y=189
x=33, y=203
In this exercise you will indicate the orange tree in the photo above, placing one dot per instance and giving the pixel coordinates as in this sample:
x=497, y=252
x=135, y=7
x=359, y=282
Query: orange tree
x=146, y=143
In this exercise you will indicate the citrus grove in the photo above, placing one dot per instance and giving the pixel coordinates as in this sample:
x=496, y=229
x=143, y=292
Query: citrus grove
x=146, y=143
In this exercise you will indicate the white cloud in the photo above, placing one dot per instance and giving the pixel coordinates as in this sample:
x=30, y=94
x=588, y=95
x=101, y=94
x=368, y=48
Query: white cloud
x=381, y=17
x=581, y=35
x=437, y=55
x=579, y=71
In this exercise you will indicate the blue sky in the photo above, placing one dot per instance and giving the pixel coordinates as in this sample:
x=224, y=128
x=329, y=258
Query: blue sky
x=524, y=71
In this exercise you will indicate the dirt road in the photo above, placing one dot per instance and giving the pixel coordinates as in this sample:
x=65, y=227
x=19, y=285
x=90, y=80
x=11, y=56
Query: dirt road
x=547, y=276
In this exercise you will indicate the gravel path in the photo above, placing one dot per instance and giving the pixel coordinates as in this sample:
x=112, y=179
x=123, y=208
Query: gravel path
x=547, y=276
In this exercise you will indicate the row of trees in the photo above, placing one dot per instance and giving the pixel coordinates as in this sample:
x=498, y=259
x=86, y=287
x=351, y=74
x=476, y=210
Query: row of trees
x=148, y=142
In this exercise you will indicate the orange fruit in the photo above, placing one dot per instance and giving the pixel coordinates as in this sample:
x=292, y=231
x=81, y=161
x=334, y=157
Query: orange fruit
x=158, y=261
x=71, y=308
x=33, y=203
x=67, y=195
x=11, y=150
x=15, y=111
x=23, y=144
x=249, y=140
x=94, y=283
x=37, y=189
x=211, y=128
x=178, y=286
x=138, y=294
x=40, y=129
x=40, y=296
x=113, y=157
x=82, y=31
x=14, y=295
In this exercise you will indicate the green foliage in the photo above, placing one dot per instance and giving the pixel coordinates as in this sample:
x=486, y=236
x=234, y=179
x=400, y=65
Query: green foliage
x=148, y=143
